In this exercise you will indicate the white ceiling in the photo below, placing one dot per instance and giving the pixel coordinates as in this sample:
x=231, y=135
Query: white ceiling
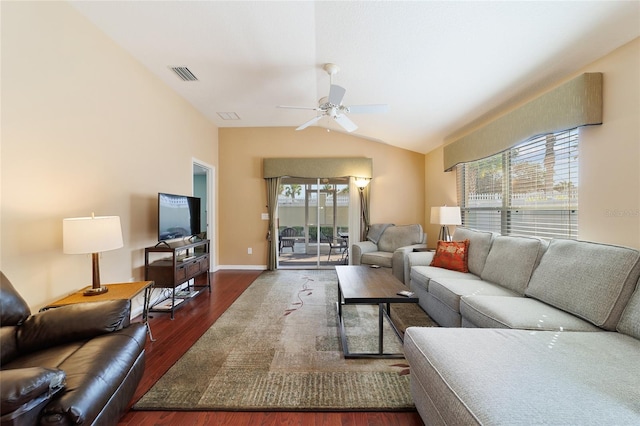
x=438, y=64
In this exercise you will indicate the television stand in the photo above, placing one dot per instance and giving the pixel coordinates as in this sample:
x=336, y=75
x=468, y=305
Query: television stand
x=170, y=265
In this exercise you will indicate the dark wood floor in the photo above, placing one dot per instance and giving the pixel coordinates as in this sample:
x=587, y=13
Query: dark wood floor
x=173, y=338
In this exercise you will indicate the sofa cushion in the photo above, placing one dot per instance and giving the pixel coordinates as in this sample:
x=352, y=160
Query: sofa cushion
x=381, y=258
x=630, y=321
x=417, y=279
x=442, y=314
x=422, y=274
x=519, y=312
x=452, y=255
x=376, y=230
x=479, y=245
x=509, y=377
x=511, y=261
x=593, y=281
x=450, y=290
x=395, y=237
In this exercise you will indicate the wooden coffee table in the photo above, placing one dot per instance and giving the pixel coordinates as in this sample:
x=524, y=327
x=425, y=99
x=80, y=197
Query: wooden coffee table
x=365, y=285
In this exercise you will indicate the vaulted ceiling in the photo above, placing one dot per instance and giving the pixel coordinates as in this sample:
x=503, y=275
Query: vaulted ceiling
x=438, y=65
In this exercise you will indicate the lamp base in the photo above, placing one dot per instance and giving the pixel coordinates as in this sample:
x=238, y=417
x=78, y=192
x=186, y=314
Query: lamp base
x=95, y=291
x=444, y=234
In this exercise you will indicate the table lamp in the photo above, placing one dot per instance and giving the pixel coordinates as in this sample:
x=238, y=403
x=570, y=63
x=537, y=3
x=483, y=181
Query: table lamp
x=444, y=216
x=83, y=235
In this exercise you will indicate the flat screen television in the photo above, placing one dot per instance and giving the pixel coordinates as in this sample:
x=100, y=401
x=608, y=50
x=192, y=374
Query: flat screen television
x=178, y=216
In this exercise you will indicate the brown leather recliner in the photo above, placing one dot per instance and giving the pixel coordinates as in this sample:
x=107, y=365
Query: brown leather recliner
x=77, y=364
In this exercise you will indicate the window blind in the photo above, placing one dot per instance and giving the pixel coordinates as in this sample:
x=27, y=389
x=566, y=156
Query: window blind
x=530, y=189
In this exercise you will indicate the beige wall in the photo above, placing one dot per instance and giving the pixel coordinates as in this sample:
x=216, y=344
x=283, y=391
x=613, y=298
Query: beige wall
x=610, y=154
x=397, y=187
x=440, y=191
x=85, y=128
x=609, y=184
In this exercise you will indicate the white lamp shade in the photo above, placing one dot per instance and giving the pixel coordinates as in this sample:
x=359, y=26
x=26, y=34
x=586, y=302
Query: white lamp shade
x=446, y=215
x=82, y=235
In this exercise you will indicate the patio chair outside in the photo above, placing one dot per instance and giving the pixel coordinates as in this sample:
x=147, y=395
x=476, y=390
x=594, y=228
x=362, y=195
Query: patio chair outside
x=287, y=238
x=339, y=244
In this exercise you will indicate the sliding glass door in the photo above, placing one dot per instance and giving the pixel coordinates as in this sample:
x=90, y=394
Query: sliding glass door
x=313, y=222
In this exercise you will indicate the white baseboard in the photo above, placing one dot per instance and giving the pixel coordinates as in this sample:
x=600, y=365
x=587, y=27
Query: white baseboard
x=242, y=267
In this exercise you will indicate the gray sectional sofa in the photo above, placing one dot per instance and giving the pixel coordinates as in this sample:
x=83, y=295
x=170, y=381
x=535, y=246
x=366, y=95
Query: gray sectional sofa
x=550, y=333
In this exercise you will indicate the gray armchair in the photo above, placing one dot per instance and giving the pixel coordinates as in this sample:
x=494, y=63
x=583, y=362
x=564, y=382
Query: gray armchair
x=387, y=246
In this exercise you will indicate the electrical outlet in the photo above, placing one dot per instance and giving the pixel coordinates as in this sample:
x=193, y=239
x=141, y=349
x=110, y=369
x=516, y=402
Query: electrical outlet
x=249, y=250
x=264, y=216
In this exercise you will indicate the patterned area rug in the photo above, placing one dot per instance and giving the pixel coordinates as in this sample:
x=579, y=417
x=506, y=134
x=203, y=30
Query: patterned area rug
x=278, y=348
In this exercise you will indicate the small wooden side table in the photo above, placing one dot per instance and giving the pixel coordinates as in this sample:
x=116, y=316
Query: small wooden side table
x=117, y=291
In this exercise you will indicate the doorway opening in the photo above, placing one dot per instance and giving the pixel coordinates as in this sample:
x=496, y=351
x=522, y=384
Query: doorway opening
x=313, y=222
x=204, y=188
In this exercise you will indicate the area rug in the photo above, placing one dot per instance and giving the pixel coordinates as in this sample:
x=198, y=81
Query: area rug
x=278, y=348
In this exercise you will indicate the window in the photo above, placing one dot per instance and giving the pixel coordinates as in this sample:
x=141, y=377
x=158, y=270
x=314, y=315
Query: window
x=530, y=189
x=318, y=211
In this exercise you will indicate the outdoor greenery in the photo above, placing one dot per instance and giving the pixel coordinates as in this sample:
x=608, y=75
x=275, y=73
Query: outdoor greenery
x=294, y=190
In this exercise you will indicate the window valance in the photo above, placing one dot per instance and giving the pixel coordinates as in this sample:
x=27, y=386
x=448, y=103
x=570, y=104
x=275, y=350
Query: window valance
x=318, y=167
x=576, y=103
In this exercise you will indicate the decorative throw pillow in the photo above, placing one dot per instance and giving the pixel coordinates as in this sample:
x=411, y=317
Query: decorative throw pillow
x=452, y=255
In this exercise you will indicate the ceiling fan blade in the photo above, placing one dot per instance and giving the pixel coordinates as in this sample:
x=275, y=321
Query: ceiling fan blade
x=336, y=93
x=345, y=122
x=298, y=107
x=310, y=122
x=368, y=109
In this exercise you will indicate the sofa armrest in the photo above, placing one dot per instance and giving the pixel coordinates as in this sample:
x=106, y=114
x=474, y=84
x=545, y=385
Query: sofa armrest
x=72, y=323
x=360, y=248
x=398, y=261
x=422, y=258
x=102, y=376
x=25, y=388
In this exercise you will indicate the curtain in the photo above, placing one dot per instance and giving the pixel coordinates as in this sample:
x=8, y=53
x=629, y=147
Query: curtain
x=275, y=168
x=318, y=167
x=358, y=212
x=575, y=103
x=273, y=189
x=364, y=208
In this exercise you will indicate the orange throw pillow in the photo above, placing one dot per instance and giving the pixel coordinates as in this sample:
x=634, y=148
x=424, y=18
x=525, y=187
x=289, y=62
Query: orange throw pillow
x=452, y=255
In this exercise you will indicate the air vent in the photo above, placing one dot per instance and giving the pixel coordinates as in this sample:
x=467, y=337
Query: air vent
x=184, y=74
x=228, y=115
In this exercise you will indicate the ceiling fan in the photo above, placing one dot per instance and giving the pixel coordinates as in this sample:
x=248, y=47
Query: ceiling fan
x=331, y=106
